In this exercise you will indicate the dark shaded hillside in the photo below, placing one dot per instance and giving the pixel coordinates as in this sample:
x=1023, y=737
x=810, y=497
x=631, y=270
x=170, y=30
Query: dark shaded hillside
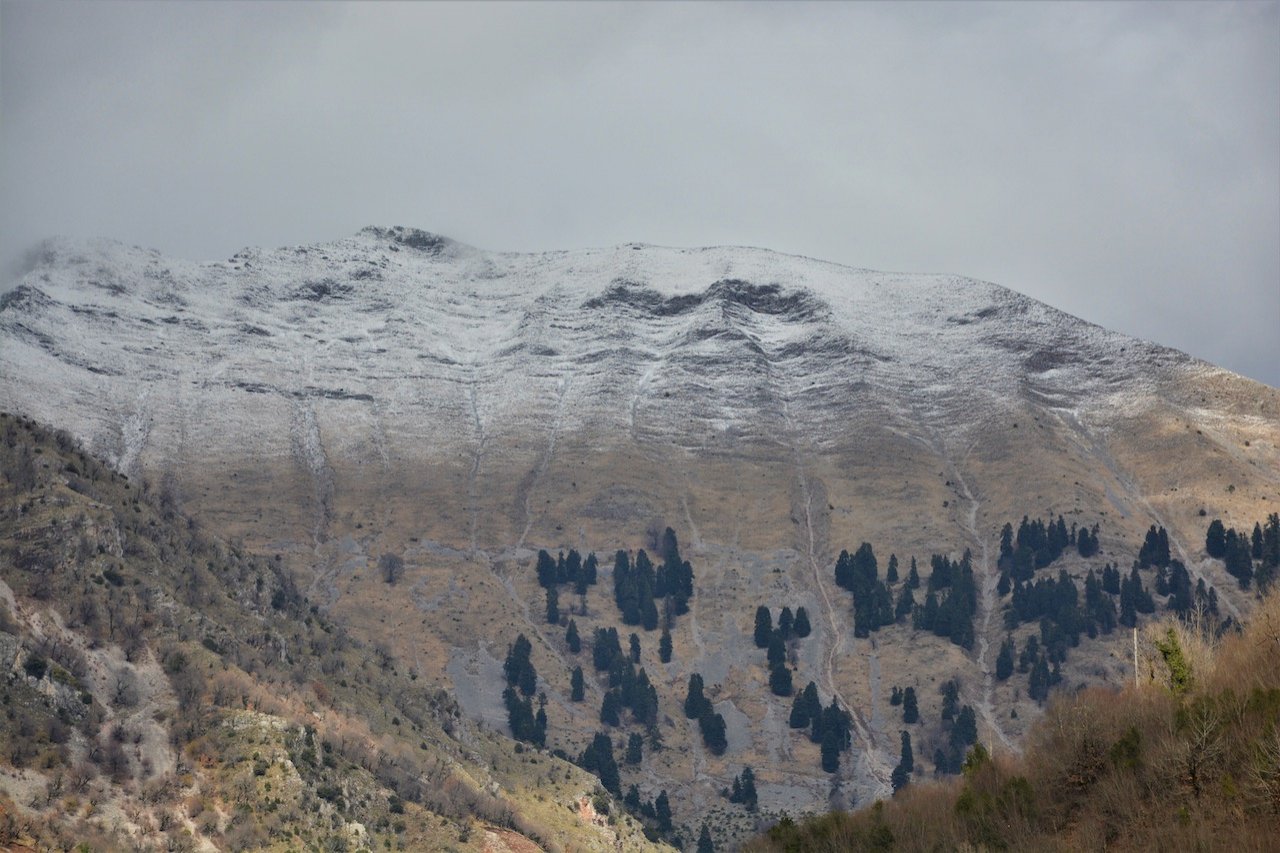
x=1188, y=759
x=162, y=689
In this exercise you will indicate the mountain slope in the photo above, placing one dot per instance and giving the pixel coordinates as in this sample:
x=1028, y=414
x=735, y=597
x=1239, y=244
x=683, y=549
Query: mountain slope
x=397, y=392
x=163, y=690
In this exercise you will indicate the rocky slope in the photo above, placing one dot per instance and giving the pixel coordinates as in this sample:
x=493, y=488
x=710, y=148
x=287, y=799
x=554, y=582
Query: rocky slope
x=397, y=392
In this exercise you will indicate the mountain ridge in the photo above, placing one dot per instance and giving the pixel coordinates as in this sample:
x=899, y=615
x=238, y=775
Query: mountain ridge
x=399, y=392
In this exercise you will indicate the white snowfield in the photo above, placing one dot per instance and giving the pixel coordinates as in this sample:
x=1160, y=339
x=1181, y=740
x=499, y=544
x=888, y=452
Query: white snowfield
x=396, y=343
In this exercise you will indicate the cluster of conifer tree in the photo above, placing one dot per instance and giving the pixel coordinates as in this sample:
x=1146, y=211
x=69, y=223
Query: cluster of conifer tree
x=872, y=601
x=948, y=608
x=628, y=688
x=952, y=615
x=638, y=586
x=711, y=723
x=960, y=725
x=1240, y=551
x=744, y=789
x=830, y=727
x=907, y=699
x=1155, y=549
x=520, y=673
x=1038, y=543
x=655, y=812
x=775, y=641
x=598, y=758
x=1183, y=599
x=571, y=569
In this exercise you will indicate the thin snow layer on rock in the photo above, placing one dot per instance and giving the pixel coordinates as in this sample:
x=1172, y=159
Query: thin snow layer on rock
x=300, y=350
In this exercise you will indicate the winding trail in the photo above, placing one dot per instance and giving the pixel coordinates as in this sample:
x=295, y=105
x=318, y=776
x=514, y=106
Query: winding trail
x=876, y=764
x=990, y=579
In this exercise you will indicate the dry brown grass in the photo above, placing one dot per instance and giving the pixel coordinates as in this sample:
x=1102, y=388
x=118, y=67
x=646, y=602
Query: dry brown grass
x=1149, y=766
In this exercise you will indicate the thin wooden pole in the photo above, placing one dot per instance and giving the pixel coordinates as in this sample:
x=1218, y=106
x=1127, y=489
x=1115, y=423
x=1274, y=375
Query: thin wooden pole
x=1135, y=655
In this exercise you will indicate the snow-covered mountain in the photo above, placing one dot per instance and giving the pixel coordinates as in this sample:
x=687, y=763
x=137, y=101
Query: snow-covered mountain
x=704, y=349
x=400, y=391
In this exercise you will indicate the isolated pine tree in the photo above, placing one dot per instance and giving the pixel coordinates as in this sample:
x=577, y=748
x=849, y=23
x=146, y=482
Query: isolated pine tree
x=764, y=627
x=664, y=646
x=577, y=685
x=801, y=627
x=910, y=709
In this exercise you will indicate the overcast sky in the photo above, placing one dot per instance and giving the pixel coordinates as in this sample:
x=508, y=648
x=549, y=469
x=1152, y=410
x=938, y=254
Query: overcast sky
x=1121, y=162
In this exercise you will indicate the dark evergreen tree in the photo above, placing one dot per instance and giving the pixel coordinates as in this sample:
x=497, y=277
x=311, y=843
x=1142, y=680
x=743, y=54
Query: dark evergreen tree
x=664, y=646
x=518, y=668
x=744, y=789
x=1004, y=661
x=786, y=623
x=1215, y=541
x=635, y=648
x=631, y=802
x=695, y=703
x=598, y=759
x=1110, y=579
x=571, y=638
x=662, y=812
x=713, y=731
x=805, y=707
x=910, y=708
x=898, y=778
x=611, y=708
x=605, y=648
x=649, y=614
x=635, y=748
x=1155, y=548
x=553, y=605
x=764, y=627
x=1086, y=542
x=572, y=567
x=547, y=572
x=776, y=653
x=906, y=604
x=907, y=758
x=577, y=685
x=1256, y=540
x=906, y=763
x=801, y=628
x=780, y=681
x=895, y=696
x=964, y=731
x=891, y=573
x=913, y=576
x=1038, y=685
x=950, y=691
x=705, y=844
x=1238, y=558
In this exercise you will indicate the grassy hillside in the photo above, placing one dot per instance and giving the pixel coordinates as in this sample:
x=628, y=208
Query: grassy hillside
x=1188, y=758
x=162, y=689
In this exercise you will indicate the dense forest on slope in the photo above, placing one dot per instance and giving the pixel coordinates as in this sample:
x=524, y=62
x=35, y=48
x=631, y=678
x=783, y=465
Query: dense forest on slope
x=1186, y=758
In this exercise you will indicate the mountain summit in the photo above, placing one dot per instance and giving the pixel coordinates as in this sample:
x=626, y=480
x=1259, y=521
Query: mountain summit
x=399, y=393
